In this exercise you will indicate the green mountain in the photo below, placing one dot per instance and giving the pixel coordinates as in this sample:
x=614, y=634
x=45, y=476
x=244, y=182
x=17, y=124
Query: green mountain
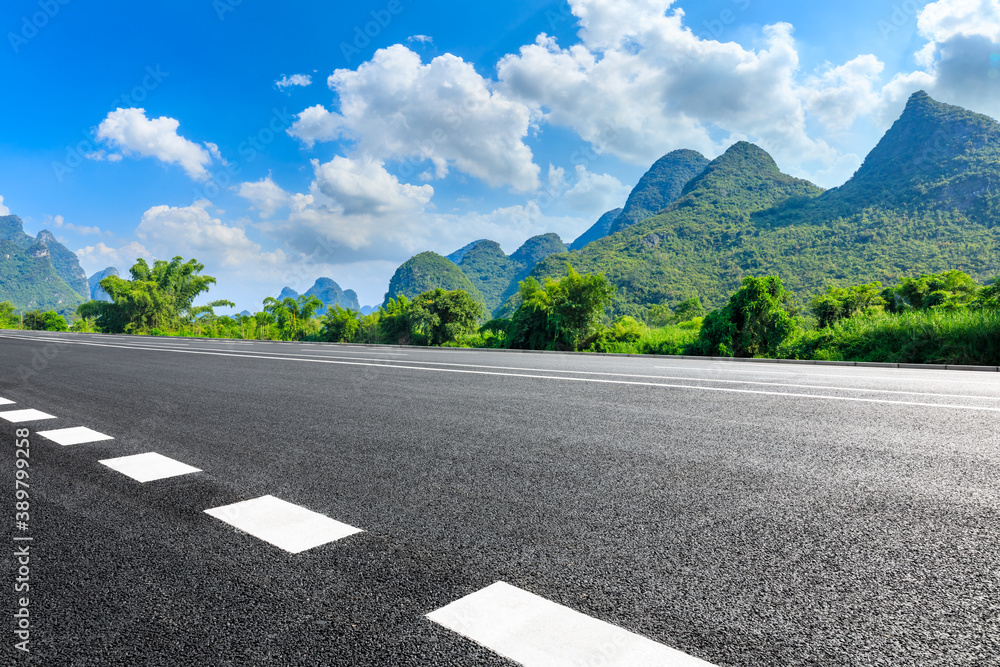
x=327, y=291
x=28, y=275
x=535, y=250
x=660, y=187
x=96, y=291
x=483, y=270
x=489, y=269
x=428, y=271
x=935, y=156
x=599, y=230
x=926, y=199
x=525, y=259
x=64, y=261
x=459, y=254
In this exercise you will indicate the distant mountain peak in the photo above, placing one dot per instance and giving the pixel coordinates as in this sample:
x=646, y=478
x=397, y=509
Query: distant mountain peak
x=459, y=254
x=96, y=291
x=599, y=230
x=427, y=271
x=659, y=187
x=46, y=237
x=931, y=150
x=328, y=291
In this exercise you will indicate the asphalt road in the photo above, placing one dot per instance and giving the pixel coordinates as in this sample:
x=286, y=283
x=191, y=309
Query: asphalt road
x=745, y=514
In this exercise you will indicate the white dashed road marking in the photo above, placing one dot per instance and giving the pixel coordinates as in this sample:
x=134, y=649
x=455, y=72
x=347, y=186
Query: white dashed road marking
x=6, y=401
x=286, y=526
x=18, y=416
x=149, y=467
x=535, y=632
x=74, y=436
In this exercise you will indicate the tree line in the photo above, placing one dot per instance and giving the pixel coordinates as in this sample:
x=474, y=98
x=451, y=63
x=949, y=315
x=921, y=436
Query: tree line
x=946, y=317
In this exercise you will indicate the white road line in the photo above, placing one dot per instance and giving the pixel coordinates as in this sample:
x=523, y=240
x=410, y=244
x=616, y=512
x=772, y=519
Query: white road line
x=149, y=467
x=386, y=364
x=19, y=416
x=910, y=374
x=654, y=377
x=77, y=435
x=283, y=524
x=536, y=632
x=5, y=401
x=651, y=377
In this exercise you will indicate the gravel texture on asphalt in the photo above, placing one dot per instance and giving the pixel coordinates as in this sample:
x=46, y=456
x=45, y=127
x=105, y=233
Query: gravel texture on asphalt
x=745, y=524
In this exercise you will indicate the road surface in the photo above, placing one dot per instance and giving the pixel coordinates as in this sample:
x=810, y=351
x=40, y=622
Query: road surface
x=482, y=508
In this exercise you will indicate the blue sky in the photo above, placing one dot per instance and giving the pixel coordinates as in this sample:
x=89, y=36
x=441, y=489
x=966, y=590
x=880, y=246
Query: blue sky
x=280, y=143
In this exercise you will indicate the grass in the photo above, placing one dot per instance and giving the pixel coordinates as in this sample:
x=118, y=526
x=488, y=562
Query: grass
x=918, y=337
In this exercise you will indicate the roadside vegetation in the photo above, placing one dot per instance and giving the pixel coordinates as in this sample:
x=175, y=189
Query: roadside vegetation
x=932, y=318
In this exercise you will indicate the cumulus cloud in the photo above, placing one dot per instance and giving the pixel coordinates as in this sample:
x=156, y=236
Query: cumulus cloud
x=421, y=39
x=946, y=19
x=100, y=256
x=316, y=124
x=641, y=83
x=129, y=131
x=192, y=232
x=957, y=59
x=265, y=196
x=839, y=95
x=595, y=194
x=302, y=80
x=394, y=107
x=3, y=209
x=355, y=211
x=363, y=186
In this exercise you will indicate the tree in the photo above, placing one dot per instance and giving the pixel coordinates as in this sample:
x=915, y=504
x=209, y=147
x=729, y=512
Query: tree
x=755, y=322
x=292, y=315
x=842, y=302
x=154, y=298
x=47, y=321
x=264, y=321
x=561, y=314
x=205, y=315
x=8, y=317
x=441, y=316
x=989, y=296
x=689, y=309
x=951, y=289
x=340, y=325
x=660, y=315
x=394, y=321
x=530, y=326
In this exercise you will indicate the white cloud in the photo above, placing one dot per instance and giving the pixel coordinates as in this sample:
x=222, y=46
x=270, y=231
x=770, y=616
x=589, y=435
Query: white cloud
x=355, y=211
x=302, y=80
x=58, y=222
x=956, y=59
x=316, y=124
x=641, y=83
x=396, y=108
x=265, y=196
x=192, y=232
x=99, y=156
x=421, y=39
x=839, y=95
x=595, y=194
x=946, y=19
x=129, y=131
x=363, y=186
x=98, y=257
x=3, y=209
